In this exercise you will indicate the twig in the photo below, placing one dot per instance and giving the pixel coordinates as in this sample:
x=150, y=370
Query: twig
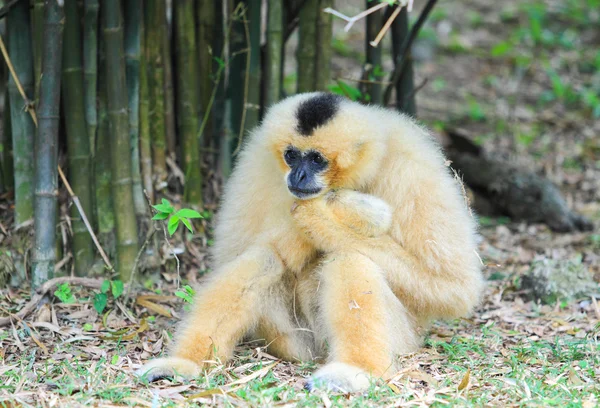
x=418, y=88
x=149, y=236
x=28, y=103
x=47, y=287
x=386, y=26
x=352, y=20
x=85, y=220
x=404, y=50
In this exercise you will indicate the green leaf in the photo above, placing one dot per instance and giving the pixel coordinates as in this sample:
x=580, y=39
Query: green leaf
x=88, y=327
x=105, y=286
x=173, y=224
x=188, y=224
x=100, y=301
x=115, y=359
x=501, y=49
x=117, y=288
x=220, y=62
x=161, y=216
x=187, y=213
x=164, y=208
x=63, y=292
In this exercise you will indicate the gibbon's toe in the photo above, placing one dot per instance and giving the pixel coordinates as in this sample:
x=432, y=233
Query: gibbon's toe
x=339, y=377
x=168, y=367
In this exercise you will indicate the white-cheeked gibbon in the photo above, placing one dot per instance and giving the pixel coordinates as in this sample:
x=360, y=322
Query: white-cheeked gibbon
x=341, y=235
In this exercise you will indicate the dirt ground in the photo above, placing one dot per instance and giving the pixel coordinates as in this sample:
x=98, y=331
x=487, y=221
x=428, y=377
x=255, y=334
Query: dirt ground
x=525, y=94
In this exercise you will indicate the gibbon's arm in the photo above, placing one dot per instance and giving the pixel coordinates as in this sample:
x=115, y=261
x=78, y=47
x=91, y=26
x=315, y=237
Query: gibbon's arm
x=431, y=286
x=339, y=219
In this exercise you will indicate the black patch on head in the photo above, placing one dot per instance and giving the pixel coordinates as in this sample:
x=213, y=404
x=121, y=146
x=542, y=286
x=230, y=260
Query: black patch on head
x=316, y=112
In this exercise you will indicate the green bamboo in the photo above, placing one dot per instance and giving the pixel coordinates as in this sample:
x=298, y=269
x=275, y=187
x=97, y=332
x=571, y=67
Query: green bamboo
x=323, y=46
x=405, y=95
x=169, y=91
x=222, y=133
x=145, y=137
x=22, y=125
x=133, y=22
x=127, y=244
x=205, y=15
x=46, y=174
x=6, y=147
x=238, y=54
x=102, y=171
x=78, y=142
x=253, y=30
x=90, y=69
x=274, y=52
x=307, y=46
x=37, y=37
x=373, y=55
x=186, y=53
x=154, y=22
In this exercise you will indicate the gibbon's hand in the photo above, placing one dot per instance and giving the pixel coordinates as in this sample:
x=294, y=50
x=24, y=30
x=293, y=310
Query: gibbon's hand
x=337, y=219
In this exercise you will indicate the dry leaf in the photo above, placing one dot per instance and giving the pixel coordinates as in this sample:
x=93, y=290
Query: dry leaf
x=464, y=383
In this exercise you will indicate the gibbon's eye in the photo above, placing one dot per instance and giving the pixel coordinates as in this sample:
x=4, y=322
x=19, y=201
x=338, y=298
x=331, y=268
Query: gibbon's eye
x=317, y=159
x=291, y=155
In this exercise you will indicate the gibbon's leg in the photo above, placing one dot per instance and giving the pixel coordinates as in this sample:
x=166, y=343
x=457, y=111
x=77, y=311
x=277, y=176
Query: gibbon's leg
x=224, y=309
x=283, y=326
x=363, y=322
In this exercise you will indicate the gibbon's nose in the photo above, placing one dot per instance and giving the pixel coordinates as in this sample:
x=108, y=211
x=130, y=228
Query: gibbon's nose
x=298, y=178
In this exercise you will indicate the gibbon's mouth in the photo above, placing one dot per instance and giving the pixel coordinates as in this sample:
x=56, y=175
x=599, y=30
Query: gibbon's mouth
x=304, y=193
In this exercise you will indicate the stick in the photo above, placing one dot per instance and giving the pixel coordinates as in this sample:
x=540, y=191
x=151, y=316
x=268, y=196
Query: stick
x=386, y=26
x=47, y=287
x=405, y=48
x=85, y=220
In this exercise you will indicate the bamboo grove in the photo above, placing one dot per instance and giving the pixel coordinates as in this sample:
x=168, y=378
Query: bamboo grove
x=118, y=93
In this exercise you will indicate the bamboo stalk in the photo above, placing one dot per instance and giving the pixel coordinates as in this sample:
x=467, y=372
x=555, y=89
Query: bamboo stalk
x=253, y=75
x=186, y=54
x=373, y=55
x=90, y=68
x=22, y=124
x=46, y=148
x=155, y=31
x=133, y=22
x=7, y=151
x=323, y=46
x=169, y=91
x=205, y=15
x=102, y=163
x=307, y=44
x=37, y=36
x=405, y=95
x=144, y=111
x=221, y=39
x=238, y=67
x=274, y=52
x=127, y=243
x=78, y=142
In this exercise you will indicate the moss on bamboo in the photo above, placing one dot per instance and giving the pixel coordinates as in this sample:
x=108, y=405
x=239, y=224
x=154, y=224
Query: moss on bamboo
x=46, y=175
x=78, y=143
x=126, y=228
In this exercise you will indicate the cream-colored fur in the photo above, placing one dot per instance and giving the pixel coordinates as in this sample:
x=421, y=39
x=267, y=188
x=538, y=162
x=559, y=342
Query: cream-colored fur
x=350, y=277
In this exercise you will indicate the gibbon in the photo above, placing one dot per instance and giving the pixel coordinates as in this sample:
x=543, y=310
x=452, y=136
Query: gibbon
x=341, y=235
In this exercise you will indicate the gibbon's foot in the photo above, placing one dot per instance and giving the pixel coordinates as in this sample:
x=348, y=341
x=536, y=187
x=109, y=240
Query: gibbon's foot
x=339, y=377
x=168, y=367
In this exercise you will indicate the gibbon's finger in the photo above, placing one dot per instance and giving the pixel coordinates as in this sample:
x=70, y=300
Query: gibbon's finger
x=294, y=206
x=168, y=368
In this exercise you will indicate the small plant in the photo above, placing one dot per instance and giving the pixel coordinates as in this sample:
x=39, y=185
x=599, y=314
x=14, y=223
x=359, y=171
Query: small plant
x=166, y=210
x=63, y=292
x=187, y=294
x=101, y=299
x=346, y=90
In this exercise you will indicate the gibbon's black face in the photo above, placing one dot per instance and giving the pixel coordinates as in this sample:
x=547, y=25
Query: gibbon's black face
x=303, y=179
